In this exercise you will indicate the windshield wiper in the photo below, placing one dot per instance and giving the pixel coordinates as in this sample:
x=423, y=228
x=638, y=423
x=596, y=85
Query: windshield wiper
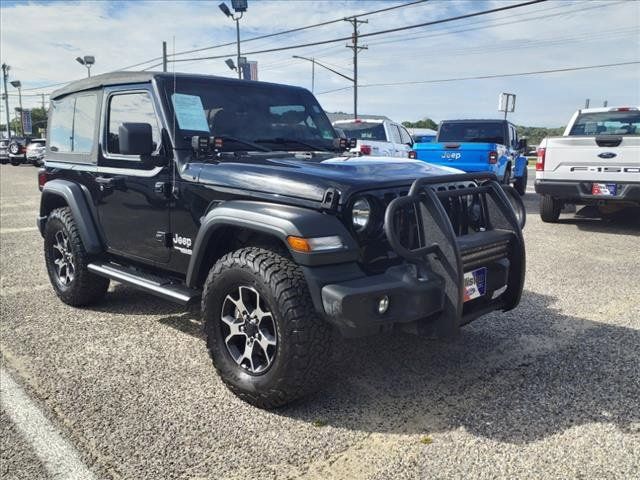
x=281, y=141
x=228, y=138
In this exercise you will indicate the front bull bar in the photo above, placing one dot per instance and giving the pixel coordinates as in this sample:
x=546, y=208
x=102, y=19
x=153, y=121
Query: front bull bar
x=440, y=251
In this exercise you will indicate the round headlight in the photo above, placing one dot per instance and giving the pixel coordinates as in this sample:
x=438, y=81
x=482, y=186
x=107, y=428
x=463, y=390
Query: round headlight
x=361, y=214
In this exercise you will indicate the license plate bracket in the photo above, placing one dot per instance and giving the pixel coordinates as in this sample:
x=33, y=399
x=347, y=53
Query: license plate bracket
x=604, y=189
x=475, y=284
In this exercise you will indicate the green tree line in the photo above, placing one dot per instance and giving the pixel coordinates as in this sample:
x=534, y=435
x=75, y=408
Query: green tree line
x=533, y=134
x=38, y=121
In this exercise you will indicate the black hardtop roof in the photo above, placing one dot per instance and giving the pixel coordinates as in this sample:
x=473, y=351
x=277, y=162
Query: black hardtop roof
x=124, y=78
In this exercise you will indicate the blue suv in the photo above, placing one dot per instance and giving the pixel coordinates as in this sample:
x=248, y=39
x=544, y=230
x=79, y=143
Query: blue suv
x=479, y=146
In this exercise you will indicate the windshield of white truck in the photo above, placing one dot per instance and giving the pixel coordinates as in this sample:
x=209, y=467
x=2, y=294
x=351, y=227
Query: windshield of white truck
x=607, y=123
x=364, y=131
x=480, y=132
x=249, y=115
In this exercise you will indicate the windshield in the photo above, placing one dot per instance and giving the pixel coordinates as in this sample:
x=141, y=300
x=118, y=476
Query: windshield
x=607, y=123
x=250, y=116
x=364, y=131
x=481, y=132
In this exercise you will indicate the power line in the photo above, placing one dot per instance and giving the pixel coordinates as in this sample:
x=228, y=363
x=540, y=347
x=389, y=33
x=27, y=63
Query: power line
x=380, y=32
x=307, y=27
x=284, y=32
x=478, y=24
x=510, y=45
x=484, y=77
x=474, y=27
x=48, y=86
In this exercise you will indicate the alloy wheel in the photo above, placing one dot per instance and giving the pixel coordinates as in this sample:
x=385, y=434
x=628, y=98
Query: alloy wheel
x=249, y=330
x=63, y=258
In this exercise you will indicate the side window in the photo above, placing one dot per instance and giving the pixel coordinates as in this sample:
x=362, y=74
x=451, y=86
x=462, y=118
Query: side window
x=395, y=134
x=84, y=123
x=514, y=136
x=130, y=108
x=404, y=135
x=61, y=125
x=73, y=122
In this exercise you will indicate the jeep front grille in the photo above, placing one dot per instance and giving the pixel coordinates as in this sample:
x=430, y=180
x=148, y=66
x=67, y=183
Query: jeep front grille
x=469, y=208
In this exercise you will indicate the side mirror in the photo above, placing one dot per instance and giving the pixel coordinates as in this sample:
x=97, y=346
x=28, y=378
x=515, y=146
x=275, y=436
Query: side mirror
x=522, y=144
x=135, y=139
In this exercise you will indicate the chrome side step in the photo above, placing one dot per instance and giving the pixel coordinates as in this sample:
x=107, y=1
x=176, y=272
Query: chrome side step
x=159, y=286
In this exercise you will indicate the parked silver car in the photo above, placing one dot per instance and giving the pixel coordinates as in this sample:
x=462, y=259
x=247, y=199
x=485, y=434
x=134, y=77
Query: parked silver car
x=35, y=151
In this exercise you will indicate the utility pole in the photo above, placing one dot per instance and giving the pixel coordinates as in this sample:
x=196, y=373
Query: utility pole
x=5, y=75
x=313, y=74
x=356, y=49
x=605, y=103
x=42, y=101
x=586, y=103
x=164, y=56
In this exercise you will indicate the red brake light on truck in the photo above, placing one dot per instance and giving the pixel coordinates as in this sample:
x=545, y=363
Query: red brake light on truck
x=540, y=160
x=493, y=157
x=413, y=154
x=42, y=178
x=365, y=149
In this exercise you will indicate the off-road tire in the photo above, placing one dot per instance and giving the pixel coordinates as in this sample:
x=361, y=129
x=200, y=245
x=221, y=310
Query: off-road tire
x=506, y=178
x=550, y=209
x=85, y=288
x=304, y=340
x=16, y=162
x=521, y=183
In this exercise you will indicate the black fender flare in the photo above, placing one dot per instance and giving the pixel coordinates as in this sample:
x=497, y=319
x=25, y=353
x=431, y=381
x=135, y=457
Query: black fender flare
x=73, y=195
x=279, y=221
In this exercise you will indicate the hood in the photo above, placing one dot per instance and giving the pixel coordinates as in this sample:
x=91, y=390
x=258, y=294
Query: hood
x=306, y=177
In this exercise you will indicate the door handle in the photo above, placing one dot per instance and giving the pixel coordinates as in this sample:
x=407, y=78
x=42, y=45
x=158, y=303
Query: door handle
x=110, y=182
x=104, y=181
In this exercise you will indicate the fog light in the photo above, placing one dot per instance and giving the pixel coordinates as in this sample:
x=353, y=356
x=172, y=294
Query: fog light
x=383, y=305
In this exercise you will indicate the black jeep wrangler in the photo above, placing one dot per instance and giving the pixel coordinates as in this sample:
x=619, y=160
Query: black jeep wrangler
x=240, y=195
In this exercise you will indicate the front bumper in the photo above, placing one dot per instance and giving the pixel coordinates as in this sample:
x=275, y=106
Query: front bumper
x=352, y=305
x=425, y=292
x=580, y=192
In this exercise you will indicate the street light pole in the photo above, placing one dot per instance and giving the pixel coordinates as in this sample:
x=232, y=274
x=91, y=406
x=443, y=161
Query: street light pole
x=238, y=36
x=87, y=61
x=18, y=84
x=5, y=75
x=239, y=6
x=314, y=62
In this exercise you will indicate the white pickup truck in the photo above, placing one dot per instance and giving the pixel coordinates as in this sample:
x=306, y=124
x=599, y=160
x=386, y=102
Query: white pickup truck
x=383, y=138
x=595, y=162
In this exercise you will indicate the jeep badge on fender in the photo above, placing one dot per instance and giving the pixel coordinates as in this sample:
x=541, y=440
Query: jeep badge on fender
x=285, y=239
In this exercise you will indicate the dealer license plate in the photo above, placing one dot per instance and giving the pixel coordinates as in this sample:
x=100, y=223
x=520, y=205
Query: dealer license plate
x=475, y=283
x=604, y=189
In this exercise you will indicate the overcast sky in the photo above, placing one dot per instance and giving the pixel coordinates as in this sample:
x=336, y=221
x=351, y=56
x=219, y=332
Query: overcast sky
x=40, y=41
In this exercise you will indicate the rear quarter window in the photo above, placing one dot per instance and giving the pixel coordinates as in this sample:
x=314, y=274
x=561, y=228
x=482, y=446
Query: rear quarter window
x=72, y=124
x=61, y=125
x=364, y=131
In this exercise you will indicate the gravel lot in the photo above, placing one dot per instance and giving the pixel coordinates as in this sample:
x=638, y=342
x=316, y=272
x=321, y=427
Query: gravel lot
x=550, y=390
